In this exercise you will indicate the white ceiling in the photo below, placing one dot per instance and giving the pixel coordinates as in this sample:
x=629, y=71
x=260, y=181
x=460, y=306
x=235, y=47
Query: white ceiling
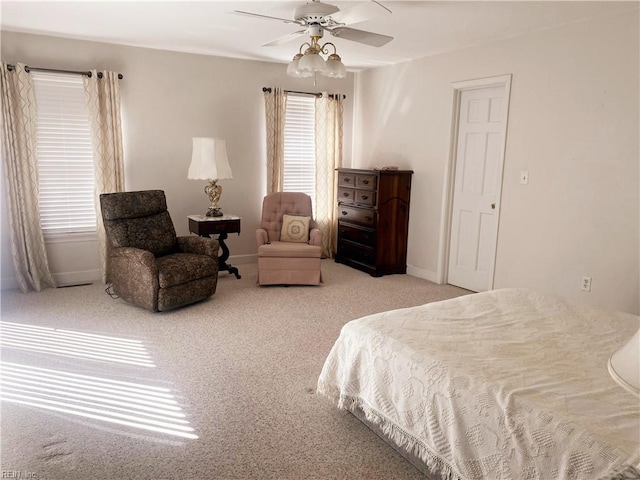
x=419, y=28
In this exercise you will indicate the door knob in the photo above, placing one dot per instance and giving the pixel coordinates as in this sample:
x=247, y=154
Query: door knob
x=493, y=206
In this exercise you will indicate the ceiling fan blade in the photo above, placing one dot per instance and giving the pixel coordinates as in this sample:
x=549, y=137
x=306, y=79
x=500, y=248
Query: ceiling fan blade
x=267, y=17
x=360, y=12
x=360, y=36
x=287, y=38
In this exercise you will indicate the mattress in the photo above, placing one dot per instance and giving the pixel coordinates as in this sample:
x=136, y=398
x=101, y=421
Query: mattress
x=507, y=384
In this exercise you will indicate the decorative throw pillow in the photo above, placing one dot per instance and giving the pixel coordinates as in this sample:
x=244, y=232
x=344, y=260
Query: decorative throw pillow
x=295, y=229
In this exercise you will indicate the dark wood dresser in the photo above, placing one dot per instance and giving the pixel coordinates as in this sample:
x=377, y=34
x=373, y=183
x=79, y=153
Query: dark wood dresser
x=373, y=220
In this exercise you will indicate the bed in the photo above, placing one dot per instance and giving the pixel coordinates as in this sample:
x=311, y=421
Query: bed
x=506, y=384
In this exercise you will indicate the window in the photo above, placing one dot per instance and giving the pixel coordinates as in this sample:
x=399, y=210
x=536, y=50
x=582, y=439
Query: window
x=299, y=145
x=65, y=154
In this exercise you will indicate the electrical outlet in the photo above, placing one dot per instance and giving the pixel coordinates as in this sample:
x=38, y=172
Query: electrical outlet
x=586, y=284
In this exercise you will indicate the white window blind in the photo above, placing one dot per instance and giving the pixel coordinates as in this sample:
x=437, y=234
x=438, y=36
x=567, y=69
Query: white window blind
x=299, y=145
x=65, y=154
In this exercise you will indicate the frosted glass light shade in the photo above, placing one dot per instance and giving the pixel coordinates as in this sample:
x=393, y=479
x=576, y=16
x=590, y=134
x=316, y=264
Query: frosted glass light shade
x=293, y=69
x=335, y=68
x=624, y=365
x=312, y=62
x=209, y=160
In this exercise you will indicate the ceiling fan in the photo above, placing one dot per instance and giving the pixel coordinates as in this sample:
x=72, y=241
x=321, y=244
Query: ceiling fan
x=329, y=17
x=316, y=17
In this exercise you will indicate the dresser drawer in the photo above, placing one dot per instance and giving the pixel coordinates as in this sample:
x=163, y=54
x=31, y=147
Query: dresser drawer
x=346, y=179
x=358, y=253
x=362, y=216
x=365, y=236
x=346, y=195
x=357, y=180
x=365, y=197
x=367, y=181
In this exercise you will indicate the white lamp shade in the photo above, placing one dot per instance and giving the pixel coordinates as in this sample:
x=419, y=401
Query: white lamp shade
x=209, y=160
x=624, y=365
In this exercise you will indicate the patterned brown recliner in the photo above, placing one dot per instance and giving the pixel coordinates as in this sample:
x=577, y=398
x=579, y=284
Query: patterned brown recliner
x=148, y=264
x=284, y=263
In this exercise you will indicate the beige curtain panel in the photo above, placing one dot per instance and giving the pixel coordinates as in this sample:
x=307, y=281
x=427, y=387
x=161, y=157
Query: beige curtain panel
x=103, y=101
x=329, y=127
x=275, y=102
x=21, y=179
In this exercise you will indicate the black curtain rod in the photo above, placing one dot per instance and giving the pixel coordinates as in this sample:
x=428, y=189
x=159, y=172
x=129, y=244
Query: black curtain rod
x=55, y=70
x=332, y=95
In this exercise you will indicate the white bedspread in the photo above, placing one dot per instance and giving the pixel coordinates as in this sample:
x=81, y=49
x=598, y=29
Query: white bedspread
x=507, y=384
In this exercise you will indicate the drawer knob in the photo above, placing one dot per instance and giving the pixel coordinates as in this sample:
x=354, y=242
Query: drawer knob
x=364, y=197
x=368, y=218
x=345, y=194
x=347, y=180
x=366, y=182
x=343, y=212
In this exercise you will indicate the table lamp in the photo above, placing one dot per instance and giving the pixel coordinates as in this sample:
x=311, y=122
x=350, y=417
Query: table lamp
x=624, y=365
x=209, y=162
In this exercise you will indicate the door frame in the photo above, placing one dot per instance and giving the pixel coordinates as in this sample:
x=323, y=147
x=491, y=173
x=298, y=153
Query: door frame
x=449, y=177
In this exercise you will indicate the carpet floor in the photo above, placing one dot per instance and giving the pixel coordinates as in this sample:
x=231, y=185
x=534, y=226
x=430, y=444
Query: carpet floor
x=94, y=387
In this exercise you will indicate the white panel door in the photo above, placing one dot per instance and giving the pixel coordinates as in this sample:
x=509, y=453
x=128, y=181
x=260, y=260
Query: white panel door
x=478, y=177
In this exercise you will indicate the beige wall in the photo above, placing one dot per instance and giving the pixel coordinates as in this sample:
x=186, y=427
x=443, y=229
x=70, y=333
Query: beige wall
x=167, y=98
x=573, y=124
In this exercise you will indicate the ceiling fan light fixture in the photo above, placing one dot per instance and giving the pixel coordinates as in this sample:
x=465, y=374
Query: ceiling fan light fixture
x=293, y=69
x=335, y=67
x=312, y=62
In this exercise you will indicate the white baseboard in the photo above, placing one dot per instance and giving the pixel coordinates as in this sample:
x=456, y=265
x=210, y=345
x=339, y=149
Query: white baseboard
x=66, y=279
x=422, y=273
x=89, y=276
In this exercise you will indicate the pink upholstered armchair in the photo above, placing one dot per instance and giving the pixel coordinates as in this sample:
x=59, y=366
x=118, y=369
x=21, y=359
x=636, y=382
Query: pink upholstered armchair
x=288, y=262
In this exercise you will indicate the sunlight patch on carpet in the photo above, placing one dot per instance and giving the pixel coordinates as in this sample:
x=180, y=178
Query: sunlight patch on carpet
x=74, y=344
x=124, y=403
